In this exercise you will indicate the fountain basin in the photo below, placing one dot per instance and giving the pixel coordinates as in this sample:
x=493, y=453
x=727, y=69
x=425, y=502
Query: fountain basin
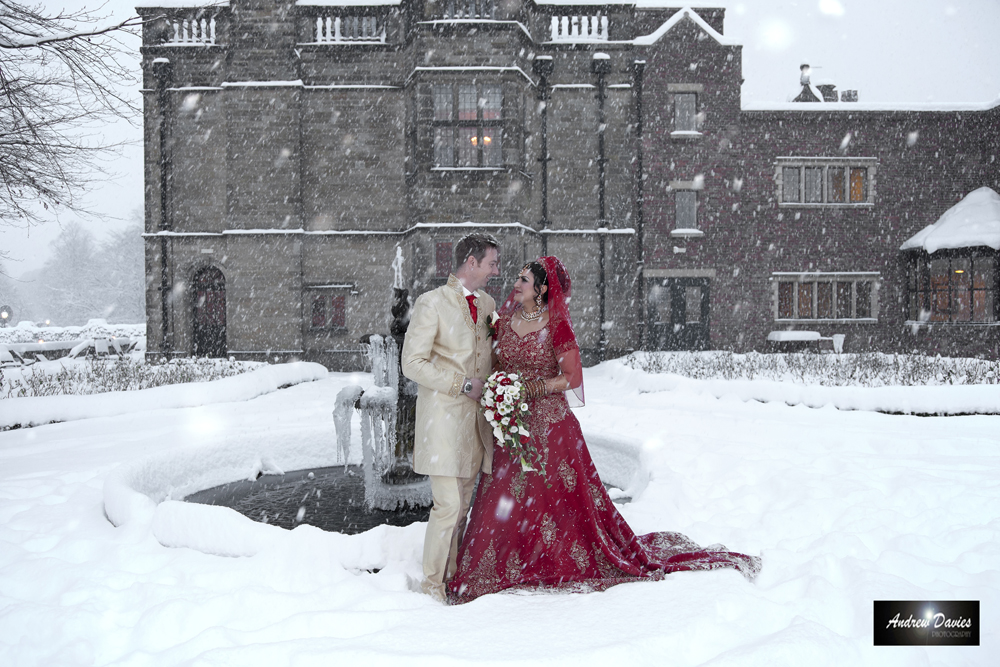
x=331, y=498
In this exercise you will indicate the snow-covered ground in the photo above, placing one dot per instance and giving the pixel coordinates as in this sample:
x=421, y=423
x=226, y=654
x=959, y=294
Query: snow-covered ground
x=845, y=507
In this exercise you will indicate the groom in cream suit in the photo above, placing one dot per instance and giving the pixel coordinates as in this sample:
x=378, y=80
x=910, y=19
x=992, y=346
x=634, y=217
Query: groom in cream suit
x=448, y=353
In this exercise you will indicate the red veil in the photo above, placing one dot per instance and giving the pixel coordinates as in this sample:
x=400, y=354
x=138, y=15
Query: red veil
x=560, y=326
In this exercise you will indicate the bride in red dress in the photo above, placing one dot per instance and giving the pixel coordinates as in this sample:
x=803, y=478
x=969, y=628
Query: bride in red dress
x=558, y=530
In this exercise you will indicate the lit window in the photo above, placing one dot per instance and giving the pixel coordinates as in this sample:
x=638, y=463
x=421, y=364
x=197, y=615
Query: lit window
x=958, y=288
x=826, y=181
x=825, y=296
x=468, y=121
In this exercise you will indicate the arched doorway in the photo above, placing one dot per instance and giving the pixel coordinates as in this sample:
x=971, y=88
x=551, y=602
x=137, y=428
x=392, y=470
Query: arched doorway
x=209, y=293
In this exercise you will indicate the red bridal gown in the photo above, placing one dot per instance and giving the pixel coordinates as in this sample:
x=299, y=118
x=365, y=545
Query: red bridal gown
x=526, y=534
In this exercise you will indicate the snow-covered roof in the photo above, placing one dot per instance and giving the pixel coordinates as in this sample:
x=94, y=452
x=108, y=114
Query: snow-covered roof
x=346, y=3
x=685, y=13
x=972, y=222
x=180, y=4
x=866, y=106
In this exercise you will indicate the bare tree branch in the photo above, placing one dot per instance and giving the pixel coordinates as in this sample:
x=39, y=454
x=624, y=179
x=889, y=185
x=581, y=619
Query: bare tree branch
x=62, y=77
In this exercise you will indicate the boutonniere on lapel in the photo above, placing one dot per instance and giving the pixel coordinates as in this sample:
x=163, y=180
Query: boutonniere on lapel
x=491, y=323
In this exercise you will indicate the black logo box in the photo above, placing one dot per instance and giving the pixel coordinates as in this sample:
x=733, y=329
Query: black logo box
x=926, y=623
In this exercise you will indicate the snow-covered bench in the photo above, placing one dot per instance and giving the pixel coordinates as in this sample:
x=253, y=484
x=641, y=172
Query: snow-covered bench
x=794, y=340
x=26, y=353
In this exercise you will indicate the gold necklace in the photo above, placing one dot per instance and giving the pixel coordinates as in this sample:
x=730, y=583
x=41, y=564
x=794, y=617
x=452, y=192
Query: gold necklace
x=533, y=317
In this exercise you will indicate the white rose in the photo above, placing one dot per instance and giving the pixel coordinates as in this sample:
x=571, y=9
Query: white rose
x=505, y=421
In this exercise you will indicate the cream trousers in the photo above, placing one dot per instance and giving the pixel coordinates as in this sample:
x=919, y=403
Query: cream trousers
x=452, y=496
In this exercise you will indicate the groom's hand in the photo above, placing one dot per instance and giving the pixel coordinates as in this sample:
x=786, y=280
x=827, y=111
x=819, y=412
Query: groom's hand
x=477, y=389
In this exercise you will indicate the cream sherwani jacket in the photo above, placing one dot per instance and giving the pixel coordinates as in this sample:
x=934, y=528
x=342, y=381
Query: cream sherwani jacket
x=443, y=346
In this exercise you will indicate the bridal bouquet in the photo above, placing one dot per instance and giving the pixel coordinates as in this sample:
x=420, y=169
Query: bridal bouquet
x=505, y=410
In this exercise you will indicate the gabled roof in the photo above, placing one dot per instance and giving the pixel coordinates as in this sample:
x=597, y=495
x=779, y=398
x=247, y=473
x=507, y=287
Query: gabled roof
x=685, y=13
x=972, y=222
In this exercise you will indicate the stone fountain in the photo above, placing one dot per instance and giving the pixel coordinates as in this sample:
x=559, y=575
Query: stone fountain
x=385, y=490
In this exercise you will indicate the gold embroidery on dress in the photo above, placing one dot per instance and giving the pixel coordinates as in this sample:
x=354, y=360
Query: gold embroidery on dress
x=597, y=497
x=604, y=566
x=484, y=578
x=514, y=568
x=518, y=485
x=579, y=555
x=548, y=529
x=568, y=476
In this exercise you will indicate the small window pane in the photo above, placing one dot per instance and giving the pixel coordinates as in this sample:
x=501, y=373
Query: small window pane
x=982, y=273
x=443, y=258
x=863, y=305
x=837, y=188
x=468, y=147
x=692, y=304
x=982, y=305
x=467, y=102
x=844, y=310
x=814, y=184
x=319, y=312
x=940, y=270
x=824, y=301
x=859, y=185
x=444, y=150
x=492, y=155
x=338, y=314
x=685, y=111
x=790, y=184
x=687, y=209
x=786, y=296
x=805, y=300
x=492, y=103
x=442, y=103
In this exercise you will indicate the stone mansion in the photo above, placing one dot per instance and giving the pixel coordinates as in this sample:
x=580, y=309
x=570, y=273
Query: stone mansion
x=293, y=149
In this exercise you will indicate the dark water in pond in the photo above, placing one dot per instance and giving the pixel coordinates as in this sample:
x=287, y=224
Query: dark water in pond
x=332, y=499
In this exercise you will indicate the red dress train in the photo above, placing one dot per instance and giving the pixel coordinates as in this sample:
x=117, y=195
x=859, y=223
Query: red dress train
x=560, y=530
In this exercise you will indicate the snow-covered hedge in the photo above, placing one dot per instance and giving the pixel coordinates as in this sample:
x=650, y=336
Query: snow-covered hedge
x=28, y=332
x=97, y=376
x=871, y=369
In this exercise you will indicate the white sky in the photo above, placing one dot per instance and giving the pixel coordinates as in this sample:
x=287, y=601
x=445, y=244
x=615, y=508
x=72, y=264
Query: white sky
x=891, y=51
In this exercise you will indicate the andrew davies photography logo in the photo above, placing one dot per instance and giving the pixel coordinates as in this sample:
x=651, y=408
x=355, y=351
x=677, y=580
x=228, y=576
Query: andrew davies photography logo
x=924, y=623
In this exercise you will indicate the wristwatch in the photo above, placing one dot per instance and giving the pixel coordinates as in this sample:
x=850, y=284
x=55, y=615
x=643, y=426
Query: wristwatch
x=467, y=387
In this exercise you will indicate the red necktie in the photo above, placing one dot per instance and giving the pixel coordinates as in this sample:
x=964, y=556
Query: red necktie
x=472, y=307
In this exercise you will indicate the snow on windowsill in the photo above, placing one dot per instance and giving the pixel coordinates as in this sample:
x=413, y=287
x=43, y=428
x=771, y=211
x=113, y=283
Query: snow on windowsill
x=801, y=204
x=856, y=320
x=686, y=233
x=468, y=169
x=686, y=134
x=931, y=325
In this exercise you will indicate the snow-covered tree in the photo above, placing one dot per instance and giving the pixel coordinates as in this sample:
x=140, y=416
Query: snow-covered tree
x=60, y=77
x=123, y=279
